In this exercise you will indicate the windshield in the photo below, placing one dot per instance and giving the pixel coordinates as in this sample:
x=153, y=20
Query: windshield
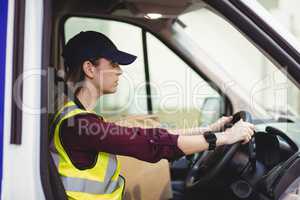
x=243, y=62
x=286, y=13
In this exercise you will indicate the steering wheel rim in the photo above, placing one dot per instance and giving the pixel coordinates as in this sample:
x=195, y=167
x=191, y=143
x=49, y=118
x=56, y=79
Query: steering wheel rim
x=191, y=181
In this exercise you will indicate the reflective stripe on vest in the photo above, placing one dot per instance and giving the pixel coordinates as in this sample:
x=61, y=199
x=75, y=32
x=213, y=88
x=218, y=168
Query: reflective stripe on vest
x=55, y=121
x=90, y=186
x=102, y=181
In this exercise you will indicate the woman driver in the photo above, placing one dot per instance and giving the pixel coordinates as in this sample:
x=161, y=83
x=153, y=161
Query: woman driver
x=85, y=146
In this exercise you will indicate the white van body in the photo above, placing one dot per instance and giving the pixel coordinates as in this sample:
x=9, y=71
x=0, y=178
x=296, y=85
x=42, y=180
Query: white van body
x=21, y=163
x=21, y=174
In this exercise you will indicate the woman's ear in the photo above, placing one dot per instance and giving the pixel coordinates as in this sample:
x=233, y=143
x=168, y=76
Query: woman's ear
x=88, y=69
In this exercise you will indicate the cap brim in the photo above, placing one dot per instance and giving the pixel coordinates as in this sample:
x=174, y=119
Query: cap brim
x=120, y=57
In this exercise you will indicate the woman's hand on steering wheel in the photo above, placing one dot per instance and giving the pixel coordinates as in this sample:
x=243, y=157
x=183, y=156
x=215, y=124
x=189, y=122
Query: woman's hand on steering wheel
x=220, y=123
x=211, y=164
x=240, y=131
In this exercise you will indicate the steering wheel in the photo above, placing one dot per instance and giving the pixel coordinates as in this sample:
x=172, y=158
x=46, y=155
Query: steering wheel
x=212, y=163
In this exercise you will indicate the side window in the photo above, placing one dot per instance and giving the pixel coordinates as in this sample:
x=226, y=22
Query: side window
x=180, y=97
x=130, y=97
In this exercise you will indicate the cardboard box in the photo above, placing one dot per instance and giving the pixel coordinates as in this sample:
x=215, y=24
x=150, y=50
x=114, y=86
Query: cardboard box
x=146, y=181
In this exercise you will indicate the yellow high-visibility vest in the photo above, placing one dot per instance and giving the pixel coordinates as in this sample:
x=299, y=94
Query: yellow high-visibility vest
x=102, y=181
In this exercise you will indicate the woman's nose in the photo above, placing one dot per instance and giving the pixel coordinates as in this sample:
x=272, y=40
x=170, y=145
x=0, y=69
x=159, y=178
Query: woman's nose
x=119, y=70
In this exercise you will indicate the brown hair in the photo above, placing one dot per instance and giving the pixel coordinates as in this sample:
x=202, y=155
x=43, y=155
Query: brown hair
x=68, y=87
x=74, y=72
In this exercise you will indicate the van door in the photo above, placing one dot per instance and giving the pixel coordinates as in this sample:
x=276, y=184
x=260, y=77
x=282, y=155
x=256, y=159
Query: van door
x=21, y=75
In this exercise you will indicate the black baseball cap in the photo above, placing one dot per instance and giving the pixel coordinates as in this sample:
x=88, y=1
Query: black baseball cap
x=93, y=45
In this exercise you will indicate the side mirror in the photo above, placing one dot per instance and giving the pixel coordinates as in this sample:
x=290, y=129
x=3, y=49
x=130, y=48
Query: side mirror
x=212, y=109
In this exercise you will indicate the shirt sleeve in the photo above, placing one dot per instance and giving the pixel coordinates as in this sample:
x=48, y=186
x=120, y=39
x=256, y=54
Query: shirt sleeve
x=88, y=132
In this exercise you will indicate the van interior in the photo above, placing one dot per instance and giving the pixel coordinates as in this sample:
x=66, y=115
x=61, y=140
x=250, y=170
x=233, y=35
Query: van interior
x=263, y=169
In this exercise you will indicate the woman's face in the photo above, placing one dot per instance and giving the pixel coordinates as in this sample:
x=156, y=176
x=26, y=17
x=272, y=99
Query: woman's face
x=106, y=76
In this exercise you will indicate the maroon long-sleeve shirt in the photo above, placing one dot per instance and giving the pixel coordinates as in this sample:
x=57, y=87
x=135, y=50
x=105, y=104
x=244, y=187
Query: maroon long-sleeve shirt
x=84, y=135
